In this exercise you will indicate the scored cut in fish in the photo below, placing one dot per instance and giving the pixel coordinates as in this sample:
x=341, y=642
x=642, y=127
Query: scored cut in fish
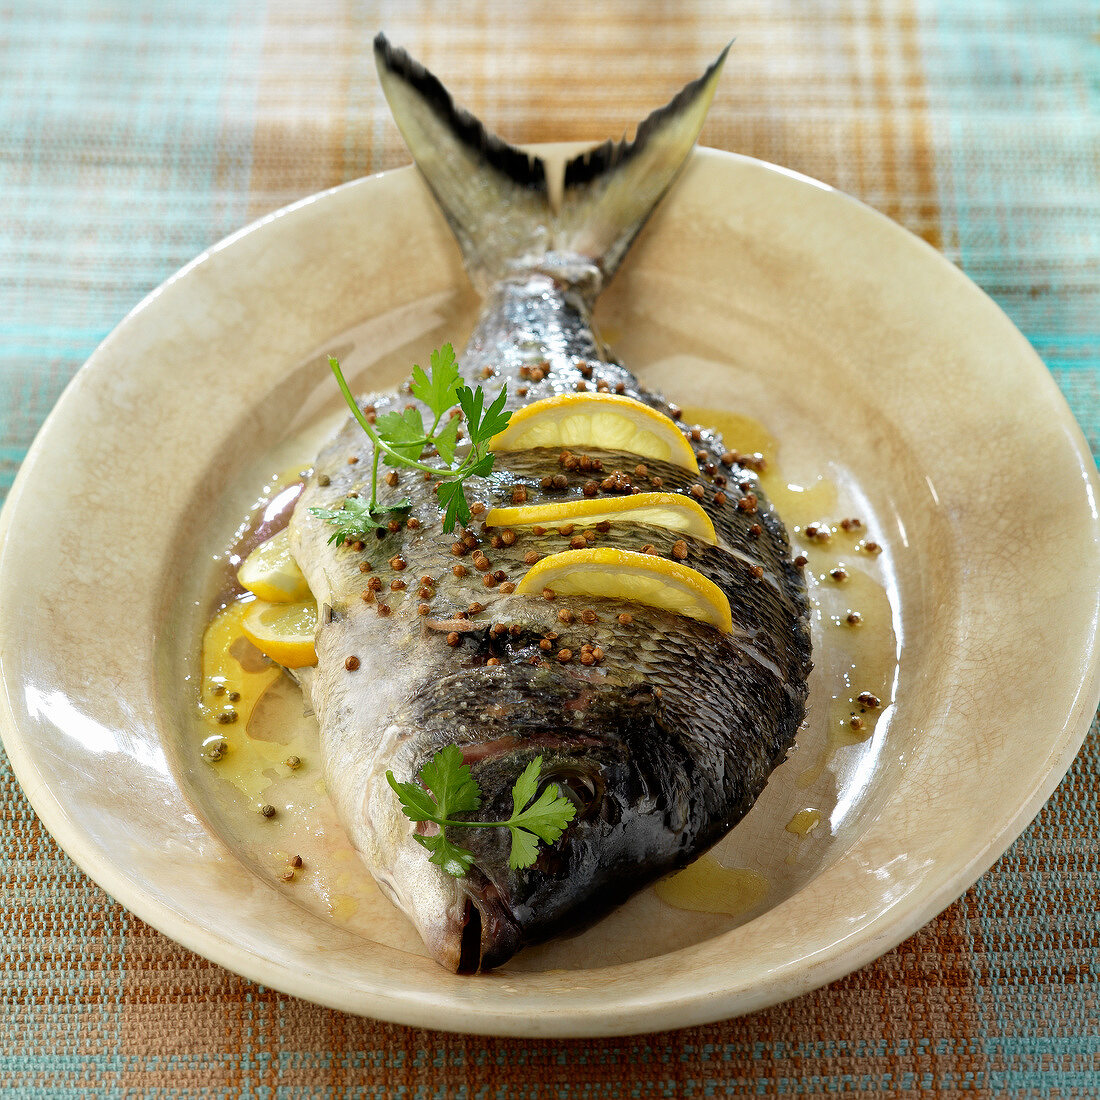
x=666, y=743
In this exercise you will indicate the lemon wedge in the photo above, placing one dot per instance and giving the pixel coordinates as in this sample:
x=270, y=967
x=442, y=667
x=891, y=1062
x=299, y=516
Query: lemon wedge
x=670, y=510
x=606, y=420
x=272, y=574
x=626, y=575
x=233, y=670
x=284, y=631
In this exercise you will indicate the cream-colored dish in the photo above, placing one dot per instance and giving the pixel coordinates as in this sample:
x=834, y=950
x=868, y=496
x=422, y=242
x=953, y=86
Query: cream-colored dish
x=874, y=362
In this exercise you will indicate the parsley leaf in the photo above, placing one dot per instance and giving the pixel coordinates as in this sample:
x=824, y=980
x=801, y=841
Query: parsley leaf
x=439, y=390
x=404, y=431
x=446, y=440
x=449, y=779
x=453, y=859
x=354, y=520
x=451, y=789
x=400, y=438
x=456, y=508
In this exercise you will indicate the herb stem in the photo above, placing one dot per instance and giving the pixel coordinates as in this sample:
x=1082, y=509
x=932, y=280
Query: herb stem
x=468, y=462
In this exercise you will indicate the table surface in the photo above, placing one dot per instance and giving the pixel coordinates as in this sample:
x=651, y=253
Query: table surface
x=132, y=136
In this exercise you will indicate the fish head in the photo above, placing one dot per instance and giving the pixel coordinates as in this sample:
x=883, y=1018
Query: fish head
x=634, y=809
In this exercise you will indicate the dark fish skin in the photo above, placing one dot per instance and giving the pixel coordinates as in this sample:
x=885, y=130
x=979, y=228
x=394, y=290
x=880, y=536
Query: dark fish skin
x=667, y=743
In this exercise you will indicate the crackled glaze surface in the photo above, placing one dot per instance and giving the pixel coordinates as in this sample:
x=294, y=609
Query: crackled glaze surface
x=869, y=357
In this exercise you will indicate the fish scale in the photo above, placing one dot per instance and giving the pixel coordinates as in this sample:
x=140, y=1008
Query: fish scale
x=664, y=743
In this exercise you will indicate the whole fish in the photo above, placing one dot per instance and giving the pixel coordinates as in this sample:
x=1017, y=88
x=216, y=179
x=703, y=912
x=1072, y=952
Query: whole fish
x=665, y=744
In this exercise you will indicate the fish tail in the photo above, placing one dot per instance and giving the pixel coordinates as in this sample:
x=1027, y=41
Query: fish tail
x=496, y=198
x=493, y=195
x=610, y=191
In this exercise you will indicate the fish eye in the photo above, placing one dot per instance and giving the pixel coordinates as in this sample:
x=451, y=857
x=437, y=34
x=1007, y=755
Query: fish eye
x=585, y=789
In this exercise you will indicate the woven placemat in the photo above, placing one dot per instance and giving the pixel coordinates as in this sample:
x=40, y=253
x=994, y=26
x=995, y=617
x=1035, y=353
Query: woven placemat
x=133, y=136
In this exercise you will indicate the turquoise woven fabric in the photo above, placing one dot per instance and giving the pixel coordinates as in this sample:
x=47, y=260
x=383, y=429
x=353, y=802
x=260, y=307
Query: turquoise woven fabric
x=133, y=136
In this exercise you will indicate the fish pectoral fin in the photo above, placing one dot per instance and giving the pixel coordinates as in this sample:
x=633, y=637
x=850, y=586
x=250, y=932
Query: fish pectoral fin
x=493, y=195
x=611, y=190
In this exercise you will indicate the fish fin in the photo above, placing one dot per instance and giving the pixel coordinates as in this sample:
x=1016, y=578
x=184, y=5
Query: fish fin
x=611, y=190
x=493, y=195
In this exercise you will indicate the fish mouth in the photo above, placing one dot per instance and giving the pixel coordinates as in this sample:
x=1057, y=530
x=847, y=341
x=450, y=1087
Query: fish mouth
x=487, y=934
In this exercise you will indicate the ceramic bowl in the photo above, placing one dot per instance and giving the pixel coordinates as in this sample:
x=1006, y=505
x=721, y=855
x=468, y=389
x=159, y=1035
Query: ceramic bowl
x=872, y=360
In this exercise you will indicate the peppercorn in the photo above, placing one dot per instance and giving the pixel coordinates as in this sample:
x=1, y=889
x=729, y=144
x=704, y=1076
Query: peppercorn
x=625, y=619
x=351, y=663
x=698, y=492
x=565, y=655
x=868, y=699
x=267, y=810
x=680, y=549
x=459, y=570
x=453, y=638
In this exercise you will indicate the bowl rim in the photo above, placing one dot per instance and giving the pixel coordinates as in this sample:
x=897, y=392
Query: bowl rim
x=649, y=1012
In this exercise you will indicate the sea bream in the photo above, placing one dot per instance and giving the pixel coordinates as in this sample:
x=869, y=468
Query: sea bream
x=666, y=738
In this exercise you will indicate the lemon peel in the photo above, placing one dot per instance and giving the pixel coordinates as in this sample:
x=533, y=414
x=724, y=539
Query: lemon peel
x=607, y=420
x=627, y=575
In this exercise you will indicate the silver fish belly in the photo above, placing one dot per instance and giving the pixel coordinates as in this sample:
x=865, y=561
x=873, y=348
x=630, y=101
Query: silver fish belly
x=665, y=743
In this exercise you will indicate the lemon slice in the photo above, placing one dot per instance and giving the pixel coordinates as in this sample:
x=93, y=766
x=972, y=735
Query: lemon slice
x=606, y=420
x=670, y=510
x=272, y=574
x=626, y=575
x=284, y=631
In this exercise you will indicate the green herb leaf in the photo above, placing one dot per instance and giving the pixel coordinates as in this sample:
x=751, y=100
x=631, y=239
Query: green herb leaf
x=404, y=431
x=400, y=438
x=448, y=855
x=446, y=440
x=456, y=508
x=527, y=786
x=548, y=815
x=439, y=389
x=416, y=803
x=471, y=402
x=353, y=520
x=451, y=789
x=524, y=851
x=449, y=779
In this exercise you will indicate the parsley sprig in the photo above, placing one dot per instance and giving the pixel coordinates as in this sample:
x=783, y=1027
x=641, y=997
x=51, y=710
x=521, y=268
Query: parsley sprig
x=451, y=789
x=400, y=439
